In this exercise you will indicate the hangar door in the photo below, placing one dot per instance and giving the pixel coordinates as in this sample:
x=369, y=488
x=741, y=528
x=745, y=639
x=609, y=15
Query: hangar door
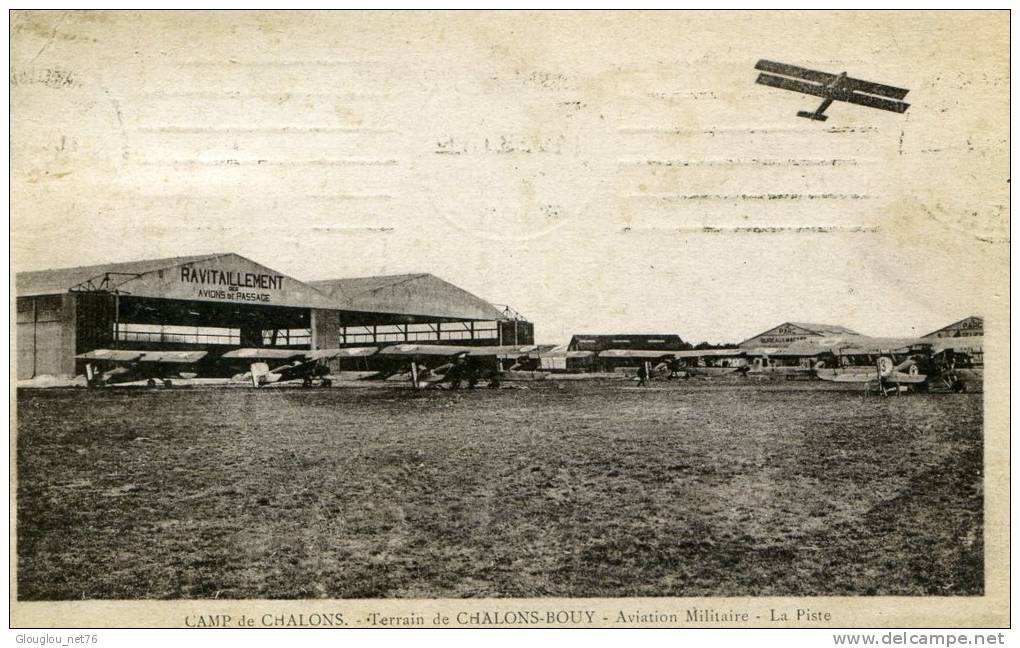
x=45, y=336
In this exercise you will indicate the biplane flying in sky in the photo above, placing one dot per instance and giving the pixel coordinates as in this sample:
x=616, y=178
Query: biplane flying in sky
x=830, y=87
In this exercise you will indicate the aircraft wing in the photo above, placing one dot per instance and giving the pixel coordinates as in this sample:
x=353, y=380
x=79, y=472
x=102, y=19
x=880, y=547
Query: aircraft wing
x=825, y=78
x=831, y=375
x=503, y=351
x=877, y=346
x=265, y=354
x=112, y=355
x=419, y=350
x=173, y=357
x=126, y=356
x=711, y=353
x=636, y=353
x=349, y=352
x=872, y=101
x=446, y=350
x=813, y=76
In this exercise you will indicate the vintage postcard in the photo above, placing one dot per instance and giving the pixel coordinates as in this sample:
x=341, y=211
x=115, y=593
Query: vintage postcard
x=515, y=319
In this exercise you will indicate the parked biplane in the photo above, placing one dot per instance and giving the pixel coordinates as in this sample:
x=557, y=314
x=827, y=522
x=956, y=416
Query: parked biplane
x=892, y=365
x=308, y=366
x=795, y=362
x=713, y=363
x=657, y=362
x=830, y=87
x=683, y=364
x=433, y=364
x=964, y=356
x=104, y=367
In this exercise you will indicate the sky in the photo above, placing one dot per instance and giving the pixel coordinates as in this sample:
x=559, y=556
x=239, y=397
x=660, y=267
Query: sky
x=597, y=172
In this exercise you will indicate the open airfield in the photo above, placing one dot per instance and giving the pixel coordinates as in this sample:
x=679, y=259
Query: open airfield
x=592, y=488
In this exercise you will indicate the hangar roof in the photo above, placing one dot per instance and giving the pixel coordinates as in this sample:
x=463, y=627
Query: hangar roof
x=208, y=277
x=61, y=280
x=825, y=330
x=408, y=294
x=423, y=295
x=969, y=326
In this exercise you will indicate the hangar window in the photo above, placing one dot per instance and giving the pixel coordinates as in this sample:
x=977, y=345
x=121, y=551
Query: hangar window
x=389, y=333
x=486, y=330
x=356, y=334
x=449, y=331
x=129, y=332
x=287, y=337
x=455, y=331
x=421, y=332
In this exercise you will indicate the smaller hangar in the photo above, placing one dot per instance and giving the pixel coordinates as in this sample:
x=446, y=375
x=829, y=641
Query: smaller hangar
x=604, y=341
x=968, y=327
x=788, y=333
x=596, y=343
x=966, y=335
x=418, y=308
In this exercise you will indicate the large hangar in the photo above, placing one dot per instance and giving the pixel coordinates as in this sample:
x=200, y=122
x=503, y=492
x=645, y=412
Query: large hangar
x=219, y=302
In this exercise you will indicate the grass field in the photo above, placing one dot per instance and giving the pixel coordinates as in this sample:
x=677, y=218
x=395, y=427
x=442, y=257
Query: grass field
x=559, y=490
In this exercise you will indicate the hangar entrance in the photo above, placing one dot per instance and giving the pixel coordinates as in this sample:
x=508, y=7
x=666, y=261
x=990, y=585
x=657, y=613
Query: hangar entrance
x=147, y=323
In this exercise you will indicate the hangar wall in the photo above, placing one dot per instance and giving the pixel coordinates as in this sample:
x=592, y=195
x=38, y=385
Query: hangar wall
x=45, y=335
x=516, y=332
x=325, y=328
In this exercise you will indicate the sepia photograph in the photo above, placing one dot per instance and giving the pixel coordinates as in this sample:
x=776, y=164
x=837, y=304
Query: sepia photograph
x=509, y=318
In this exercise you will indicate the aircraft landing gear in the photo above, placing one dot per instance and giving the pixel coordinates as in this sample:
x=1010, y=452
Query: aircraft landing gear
x=168, y=383
x=326, y=382
x=151, y=382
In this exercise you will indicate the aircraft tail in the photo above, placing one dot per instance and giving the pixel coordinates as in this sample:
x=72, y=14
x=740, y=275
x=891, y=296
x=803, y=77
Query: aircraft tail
x=259, y=371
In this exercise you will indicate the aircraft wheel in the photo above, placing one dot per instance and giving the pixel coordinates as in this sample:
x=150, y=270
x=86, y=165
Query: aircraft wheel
x=326, y=382
x=168, y=383
x=151, y=382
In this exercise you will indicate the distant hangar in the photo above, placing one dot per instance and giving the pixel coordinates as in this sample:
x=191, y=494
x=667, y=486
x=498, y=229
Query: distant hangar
x=788, y=333
x=218, y=302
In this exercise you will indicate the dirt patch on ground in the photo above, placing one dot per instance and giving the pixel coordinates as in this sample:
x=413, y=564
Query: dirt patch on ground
x=580, y=489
